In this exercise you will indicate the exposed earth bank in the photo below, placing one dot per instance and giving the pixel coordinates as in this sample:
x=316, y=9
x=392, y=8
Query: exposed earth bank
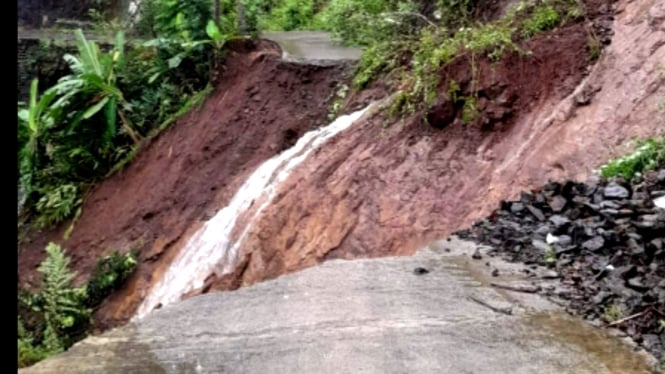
x=376, y=189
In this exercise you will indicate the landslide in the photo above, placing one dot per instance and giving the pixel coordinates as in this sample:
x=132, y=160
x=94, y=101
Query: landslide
x=259, y=107
x=387, y=187
x=384, y=186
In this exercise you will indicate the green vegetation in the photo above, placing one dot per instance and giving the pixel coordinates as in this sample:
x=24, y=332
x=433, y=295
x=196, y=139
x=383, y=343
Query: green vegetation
x=110, y=273
x=437, y=46
x=649, y=154
x=93, y=120
x=542, y=18
x=60, y=309
x=59, y=314
x=612, y=313
x=340, y=95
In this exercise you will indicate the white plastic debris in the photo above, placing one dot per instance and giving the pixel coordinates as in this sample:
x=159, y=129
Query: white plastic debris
x=660, y=202
x=551, y=239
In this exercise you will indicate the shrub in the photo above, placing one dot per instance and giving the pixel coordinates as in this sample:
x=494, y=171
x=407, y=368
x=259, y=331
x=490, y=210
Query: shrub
x=57, y=204
x=110, y=273
x=649, y=154
x=60, y=304
x=59, y=314
x=543, y=18
x=290, y=15
x=358, y=22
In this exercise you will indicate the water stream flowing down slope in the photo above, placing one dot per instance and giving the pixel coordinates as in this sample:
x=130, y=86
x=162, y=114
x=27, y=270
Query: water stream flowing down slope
x=211, y=248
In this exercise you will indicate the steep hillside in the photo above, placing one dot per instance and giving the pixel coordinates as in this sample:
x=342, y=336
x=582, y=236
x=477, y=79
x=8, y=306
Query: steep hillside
x=385, y=186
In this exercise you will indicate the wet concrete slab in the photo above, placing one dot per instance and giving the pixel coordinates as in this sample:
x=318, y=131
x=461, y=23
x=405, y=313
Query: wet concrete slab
x=428, y=313
x=312, y=47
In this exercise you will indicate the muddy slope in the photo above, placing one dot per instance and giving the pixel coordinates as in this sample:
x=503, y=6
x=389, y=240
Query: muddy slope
x=378, y=190
x=260, y=107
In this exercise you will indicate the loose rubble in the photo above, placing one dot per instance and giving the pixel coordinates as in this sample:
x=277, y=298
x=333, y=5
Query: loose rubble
x=605, y=239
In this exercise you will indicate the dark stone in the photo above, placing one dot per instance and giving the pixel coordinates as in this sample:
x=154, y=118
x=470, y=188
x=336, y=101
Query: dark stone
x=551, y=274
x=420, y=271
x=476, y=255
x=565, y=240
x=609, y=212
x=495, y=272
x=610, y=204
x=637, y=284
x=635, y=247
x=650, y=217
x=536, y=212
x=625, y=212
x=581, y=200
x=559, y=249
x=559, y=220
x=557, y=203
x=543, y=230
x=661, y=175
x=594, y=243
x=601, y=297
x=657, y=193
x=540, y=245
x=516, y=208
x=615, y=191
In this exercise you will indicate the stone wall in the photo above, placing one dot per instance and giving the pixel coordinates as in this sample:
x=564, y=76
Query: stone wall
x=42, y=60
x=42, y=13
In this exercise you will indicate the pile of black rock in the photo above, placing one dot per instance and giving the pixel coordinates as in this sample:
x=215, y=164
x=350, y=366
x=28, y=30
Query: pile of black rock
x=604, y=239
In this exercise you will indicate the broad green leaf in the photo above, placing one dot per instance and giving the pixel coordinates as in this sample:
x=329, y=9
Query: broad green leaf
x=95, y=108
x=213, y=31
x=89, y=52
x=23, y=115
x=175, y=61
x=180, y=19
x=154, y=77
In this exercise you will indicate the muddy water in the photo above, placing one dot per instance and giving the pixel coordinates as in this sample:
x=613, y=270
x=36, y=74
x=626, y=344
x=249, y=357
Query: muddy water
x=311, y=46
x=212, y=248
x=559, y=328
x=546, y=325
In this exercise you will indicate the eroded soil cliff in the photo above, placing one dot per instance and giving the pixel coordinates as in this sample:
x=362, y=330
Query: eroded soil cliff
x=384, y=186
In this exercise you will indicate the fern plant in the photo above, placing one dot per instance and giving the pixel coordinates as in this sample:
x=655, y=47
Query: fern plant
x=57, y=204
x=61, y=303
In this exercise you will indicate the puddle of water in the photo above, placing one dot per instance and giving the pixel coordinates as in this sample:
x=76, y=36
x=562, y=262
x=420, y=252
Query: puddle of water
x=210, y=249
x=617, y=357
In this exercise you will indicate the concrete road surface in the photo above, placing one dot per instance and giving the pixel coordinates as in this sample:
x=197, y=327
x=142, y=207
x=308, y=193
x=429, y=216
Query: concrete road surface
x=366, y=316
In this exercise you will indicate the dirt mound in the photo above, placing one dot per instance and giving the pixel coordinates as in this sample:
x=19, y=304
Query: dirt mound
x=260, y=107
x=606, y=241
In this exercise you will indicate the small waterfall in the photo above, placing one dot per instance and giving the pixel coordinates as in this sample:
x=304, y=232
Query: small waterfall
x=210, y=249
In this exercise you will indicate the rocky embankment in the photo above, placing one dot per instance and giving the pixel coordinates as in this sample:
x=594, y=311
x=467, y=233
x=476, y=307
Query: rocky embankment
x=605, y=240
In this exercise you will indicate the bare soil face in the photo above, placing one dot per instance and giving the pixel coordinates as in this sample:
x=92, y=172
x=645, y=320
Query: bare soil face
x=383, y=187
x=260, y=107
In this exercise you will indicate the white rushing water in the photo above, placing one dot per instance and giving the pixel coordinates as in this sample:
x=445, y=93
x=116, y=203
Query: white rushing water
x=209, y=249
